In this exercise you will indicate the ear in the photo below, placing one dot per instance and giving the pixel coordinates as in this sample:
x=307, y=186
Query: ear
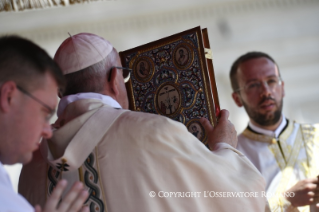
x=283, y=88
x=237, y=99
x=113, y=83
x=7, y=92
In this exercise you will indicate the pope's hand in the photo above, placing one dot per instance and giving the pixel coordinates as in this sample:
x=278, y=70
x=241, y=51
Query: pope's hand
x=224, y=131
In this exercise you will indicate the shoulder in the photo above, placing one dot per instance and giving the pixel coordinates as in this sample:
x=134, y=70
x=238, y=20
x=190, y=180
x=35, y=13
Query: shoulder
x=248, y=144
x=11, y=201
x=306, y=127
x=151, y=127
x=303, y=124
x=241, y=136
x=140, y=118
x=242, y=139
x=310, y=131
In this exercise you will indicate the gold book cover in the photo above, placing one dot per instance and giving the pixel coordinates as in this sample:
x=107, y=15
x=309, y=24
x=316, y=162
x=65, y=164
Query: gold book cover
x=174, y=77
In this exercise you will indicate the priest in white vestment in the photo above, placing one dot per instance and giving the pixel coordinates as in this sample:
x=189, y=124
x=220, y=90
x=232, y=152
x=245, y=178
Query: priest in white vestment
x=285, y=152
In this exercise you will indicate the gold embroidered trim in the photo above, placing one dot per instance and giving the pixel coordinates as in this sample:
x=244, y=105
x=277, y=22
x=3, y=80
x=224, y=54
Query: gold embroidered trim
x=286, y=181
x=281, y=162
x=282, y=157
x=80, y=170
x=307, y=137
x=310, y=135
x=259, y=137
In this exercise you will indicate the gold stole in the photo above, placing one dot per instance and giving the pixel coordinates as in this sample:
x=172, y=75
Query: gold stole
x=307, y=138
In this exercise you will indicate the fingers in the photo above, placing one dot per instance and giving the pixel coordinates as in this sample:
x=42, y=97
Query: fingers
x=37, y=208
x=313, y=187
x=206, y=124
x=79, y=201
x=73, y=201
x=77, y=204
x=224, y=114
x=306, y=192
x=54, y=199
x=312, y=180
x=85, y=209
x=223, y=132
x=75, y=198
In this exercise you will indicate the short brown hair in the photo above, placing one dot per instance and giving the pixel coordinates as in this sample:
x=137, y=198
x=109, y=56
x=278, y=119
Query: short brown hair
x=242, y=59
x=25, y=63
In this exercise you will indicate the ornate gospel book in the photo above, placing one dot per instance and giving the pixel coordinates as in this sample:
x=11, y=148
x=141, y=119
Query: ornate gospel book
x=174, y=77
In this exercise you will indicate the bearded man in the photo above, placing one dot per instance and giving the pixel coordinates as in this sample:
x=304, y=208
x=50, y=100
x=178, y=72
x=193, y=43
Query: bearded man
x=285, y=152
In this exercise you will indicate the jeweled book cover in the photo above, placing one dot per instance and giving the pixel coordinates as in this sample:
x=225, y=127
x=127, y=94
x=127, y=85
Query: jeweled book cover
x=174, y=77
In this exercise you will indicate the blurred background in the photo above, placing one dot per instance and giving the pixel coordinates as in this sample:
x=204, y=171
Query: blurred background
x=288, y=30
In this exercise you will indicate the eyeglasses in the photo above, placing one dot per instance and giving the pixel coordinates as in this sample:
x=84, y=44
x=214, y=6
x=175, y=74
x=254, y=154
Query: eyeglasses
x=51, y=111
x=126, y=73
x=256, y=86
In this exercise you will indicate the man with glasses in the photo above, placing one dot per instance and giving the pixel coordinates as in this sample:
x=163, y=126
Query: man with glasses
x=29, y=80
x=134, y=161
x=285, y=152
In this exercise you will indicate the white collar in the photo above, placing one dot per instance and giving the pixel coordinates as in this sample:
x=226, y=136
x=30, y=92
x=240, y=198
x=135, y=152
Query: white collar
x=1, y=166
x=274, y=133
x=72, y=98
x=4, y=175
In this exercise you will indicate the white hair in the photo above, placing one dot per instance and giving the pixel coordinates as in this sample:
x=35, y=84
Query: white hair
x=92, y=78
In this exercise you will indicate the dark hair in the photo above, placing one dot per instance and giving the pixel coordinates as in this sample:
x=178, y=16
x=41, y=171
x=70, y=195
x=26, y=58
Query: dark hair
x=242, y=59
x=25, y=63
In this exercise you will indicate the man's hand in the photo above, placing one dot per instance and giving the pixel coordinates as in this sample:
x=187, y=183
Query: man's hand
x=306, y=192
x=73, y=201
x=224, y=131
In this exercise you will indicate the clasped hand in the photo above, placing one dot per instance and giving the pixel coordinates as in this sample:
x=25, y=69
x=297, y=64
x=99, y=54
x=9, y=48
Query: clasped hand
x=306, y=192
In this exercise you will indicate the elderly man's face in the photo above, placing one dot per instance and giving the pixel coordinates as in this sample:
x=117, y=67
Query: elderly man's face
x=261, y=91
x=29, y=118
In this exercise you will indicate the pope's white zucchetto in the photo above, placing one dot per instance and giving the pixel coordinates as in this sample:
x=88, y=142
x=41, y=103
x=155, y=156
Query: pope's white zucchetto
x=81, y=51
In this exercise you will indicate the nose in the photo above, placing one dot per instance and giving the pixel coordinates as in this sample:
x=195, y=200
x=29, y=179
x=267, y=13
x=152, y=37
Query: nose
x=265, y=89
x=47, y=131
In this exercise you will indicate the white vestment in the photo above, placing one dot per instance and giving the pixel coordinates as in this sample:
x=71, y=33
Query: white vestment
x=133, y=161
x=283, y=157
x=10, y=201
